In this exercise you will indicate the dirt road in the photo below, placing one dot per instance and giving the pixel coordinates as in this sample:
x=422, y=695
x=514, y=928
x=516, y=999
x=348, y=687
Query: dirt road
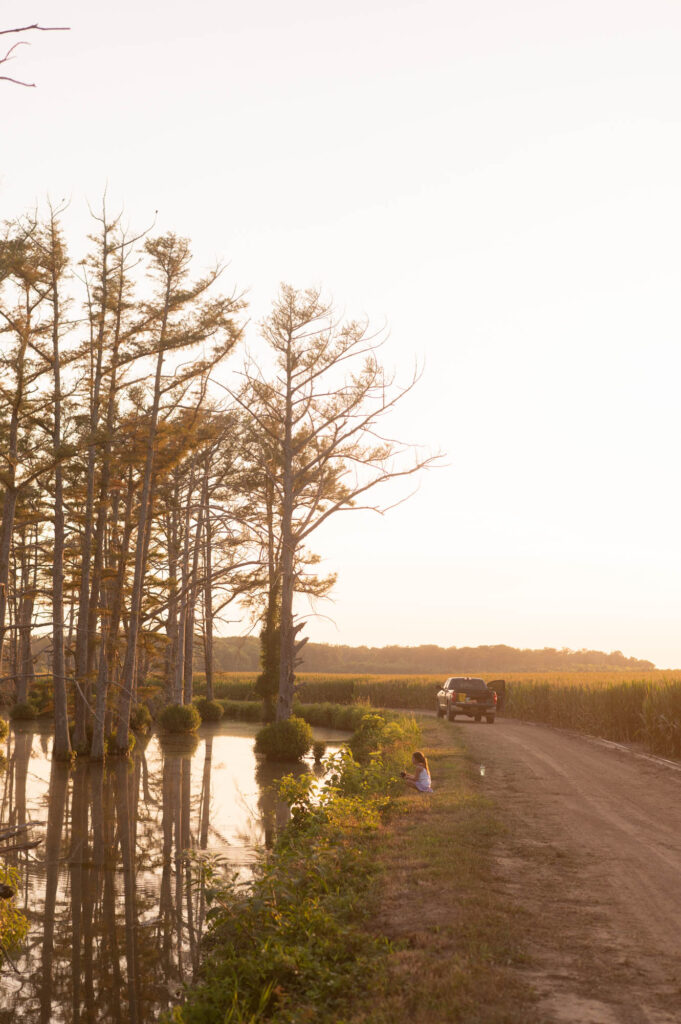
x=594, y=854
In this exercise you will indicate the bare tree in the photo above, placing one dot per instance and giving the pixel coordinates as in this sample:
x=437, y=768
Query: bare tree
x=320, y=415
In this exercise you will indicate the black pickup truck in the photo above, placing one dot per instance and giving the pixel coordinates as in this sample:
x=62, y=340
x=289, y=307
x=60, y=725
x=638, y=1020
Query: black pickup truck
x=465, y=695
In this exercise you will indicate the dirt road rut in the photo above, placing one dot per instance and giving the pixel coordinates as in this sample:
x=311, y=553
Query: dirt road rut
x=594, y=854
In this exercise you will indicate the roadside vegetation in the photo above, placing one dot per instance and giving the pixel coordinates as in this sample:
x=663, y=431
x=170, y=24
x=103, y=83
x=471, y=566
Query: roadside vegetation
x=365, y=892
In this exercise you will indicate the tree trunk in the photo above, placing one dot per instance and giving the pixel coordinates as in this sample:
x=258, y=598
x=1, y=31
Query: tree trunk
x=286, y=655
x=208, y=591
x=128, y=675
x=62, y=743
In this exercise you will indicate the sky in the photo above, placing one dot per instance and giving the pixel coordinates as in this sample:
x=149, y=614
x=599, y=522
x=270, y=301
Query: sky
x=499, y=185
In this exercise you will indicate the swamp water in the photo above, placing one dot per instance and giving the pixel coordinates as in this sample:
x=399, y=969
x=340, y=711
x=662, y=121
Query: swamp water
x=115, y=905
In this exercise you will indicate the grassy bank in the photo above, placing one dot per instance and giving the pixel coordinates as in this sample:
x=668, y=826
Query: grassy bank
x=376, y=905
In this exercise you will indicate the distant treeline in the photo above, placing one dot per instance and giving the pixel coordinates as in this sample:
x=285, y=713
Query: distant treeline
x=242, y=654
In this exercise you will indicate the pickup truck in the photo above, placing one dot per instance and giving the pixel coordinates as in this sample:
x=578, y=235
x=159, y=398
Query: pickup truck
x=464, y=695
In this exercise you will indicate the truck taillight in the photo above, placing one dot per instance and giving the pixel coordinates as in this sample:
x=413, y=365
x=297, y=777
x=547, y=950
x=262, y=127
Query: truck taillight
x=496, y=698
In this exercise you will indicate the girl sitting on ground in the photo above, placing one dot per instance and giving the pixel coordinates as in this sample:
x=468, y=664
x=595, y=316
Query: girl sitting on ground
x=420, y=778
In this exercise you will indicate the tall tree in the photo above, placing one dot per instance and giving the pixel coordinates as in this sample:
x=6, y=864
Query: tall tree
x=320, y=414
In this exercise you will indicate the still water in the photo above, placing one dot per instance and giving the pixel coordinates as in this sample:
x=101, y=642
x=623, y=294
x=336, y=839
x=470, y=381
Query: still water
x=115, y=907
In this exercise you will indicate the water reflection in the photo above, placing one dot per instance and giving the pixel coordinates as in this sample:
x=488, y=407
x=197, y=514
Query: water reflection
x=117, y=911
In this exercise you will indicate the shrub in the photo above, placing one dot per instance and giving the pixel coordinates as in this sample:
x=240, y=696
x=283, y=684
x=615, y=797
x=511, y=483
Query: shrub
x=366, y=739
x=318, y=749
x=210, y=710
x=140, y=718
x=4, y=728
x=22, y=712
x=284, y=741
x=180, y=718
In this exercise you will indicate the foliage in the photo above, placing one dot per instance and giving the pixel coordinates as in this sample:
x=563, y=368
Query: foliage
x=4, y=728
x=140, y=718
x=267, y=683
x=180, y=718
x=241, y=654
x=289, y=740
x=210, y=710
x=295, y=946
x=22, y=712
x=13, y=924
x=376, y=734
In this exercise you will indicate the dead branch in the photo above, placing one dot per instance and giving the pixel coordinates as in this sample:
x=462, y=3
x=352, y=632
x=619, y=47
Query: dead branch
x=22, y=42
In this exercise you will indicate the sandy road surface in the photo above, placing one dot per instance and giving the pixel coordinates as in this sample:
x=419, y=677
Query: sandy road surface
x=593, y=853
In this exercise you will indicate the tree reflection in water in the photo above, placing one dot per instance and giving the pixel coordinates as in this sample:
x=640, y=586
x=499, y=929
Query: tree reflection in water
x=117, y=909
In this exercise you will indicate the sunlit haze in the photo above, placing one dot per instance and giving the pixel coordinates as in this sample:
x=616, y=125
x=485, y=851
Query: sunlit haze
x=499, y=184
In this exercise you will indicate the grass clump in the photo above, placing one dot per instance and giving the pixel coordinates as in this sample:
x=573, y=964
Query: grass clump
x=289, y=740
x=210, y=710
x=180, y=719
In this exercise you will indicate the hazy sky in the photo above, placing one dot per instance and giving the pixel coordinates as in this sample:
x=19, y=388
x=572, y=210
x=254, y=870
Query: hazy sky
x=498, y=182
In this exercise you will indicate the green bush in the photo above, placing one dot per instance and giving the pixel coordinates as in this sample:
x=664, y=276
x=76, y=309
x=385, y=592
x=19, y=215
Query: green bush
x=210, y=710
x=180, y=718
x=140, y=718
x=22, y=712
x=284, y=741
x=4, y=728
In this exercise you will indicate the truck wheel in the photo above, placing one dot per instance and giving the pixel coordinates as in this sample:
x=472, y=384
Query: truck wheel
x=478, y=718
x=440, y=712
x=490, y=719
